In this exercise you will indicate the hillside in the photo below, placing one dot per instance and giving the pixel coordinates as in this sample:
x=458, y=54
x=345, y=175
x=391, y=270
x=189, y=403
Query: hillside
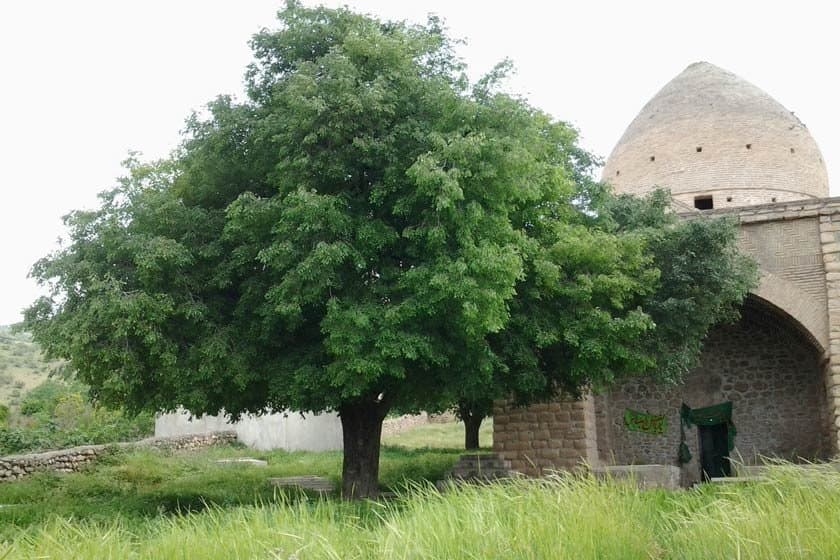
x=22, y=366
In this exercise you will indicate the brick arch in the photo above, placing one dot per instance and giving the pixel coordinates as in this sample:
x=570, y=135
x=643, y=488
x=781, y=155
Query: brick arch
x=785, y=298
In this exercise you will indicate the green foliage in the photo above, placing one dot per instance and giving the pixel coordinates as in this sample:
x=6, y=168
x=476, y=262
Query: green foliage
x=353, y=229
x=366, y=231
x=56, y=415
x=703, y=277
x=4, y=416
x=42, y=400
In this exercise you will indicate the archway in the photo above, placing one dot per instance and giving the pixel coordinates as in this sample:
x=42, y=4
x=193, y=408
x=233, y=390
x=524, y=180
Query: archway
x=766, y=364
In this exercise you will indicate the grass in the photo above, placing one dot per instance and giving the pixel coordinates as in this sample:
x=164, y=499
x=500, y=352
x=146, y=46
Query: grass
x=22, y=366
x=794, y=514
x=145, y=484
x=448, y=435
x=153, y=505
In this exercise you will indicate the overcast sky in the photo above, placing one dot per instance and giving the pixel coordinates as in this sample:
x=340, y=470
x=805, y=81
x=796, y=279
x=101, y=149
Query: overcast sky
x=84, y=82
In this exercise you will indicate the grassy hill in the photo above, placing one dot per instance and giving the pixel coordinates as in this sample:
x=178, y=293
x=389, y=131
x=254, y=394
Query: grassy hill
x=22, y=366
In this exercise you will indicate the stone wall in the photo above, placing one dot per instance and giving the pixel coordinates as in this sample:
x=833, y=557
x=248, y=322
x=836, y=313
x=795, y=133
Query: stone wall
x=398, y=424
x=780, y=366
x=15, y=467
x=830, y=239
x=545, y=437
x=767, y=369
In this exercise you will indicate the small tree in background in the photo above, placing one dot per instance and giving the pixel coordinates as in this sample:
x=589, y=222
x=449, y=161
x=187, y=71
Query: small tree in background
x=365, y=232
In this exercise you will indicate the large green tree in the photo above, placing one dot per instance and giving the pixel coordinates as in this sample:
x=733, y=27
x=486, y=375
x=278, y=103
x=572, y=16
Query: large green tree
x=366, y=231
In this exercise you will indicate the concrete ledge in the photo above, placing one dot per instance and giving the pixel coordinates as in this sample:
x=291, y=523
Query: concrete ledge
x=645, y=476
x=736, y=479
x=317, y=484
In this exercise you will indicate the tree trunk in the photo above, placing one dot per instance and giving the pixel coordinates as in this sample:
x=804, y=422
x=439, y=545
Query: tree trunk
x=361, y=426
x=472, y=423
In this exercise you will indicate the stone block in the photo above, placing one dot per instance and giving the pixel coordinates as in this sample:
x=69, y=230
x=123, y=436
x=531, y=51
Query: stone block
x=645, y=476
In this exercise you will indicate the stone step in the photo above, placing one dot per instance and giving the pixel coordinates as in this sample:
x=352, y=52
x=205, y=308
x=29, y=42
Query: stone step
x=317, y=484
x=736, y=479
x=480, y=467
x=243, y=461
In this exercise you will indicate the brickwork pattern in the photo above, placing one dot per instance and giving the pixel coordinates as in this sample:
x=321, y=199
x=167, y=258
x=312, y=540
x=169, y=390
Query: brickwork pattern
x=728, y=198
x=709, y=132
x=789, y=249
x=767, y=369
x=783, y=357
x=545, y=437
x=830, y=239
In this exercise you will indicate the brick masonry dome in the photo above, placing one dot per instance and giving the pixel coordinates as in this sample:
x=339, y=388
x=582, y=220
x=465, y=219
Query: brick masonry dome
x=718, y=141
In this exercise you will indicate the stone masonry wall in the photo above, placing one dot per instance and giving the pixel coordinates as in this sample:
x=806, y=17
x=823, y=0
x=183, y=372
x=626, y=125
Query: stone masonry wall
x=830, y=239
x=826, y=212
x=773, y=377
x=789, y=361
x=545, y=437
x=15, y=467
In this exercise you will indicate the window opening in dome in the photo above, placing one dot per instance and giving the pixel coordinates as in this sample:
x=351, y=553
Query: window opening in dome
x=652, y=158
x=749, y=146
x=728, y=199
x=617, y=173
x=773, y=199
x=699, y=149
x=792, y=150
x=704, y=202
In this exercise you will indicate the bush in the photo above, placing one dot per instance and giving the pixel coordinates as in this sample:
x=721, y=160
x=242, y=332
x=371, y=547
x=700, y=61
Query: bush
x=42, y=399
x=20, y=440
x=56, y=415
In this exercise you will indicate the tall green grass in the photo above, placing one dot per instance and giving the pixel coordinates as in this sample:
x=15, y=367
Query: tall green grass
x=144, y=484
x=795, y=513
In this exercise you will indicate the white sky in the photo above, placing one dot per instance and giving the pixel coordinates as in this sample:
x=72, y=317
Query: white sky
x=83, y=82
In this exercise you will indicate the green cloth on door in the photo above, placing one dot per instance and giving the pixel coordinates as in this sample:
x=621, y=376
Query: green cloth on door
x=708, y=416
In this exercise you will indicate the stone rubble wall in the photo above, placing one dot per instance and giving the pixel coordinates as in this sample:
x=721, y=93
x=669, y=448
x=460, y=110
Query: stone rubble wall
x=399, y=424
x=74, y=459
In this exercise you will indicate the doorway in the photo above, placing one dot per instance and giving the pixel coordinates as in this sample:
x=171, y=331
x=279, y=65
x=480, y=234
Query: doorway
x=714, y=451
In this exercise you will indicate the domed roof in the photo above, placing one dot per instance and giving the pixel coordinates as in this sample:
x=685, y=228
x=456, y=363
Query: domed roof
x=710, y=135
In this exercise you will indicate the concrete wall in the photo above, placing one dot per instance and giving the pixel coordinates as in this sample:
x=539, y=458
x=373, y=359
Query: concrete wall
x=291, y=431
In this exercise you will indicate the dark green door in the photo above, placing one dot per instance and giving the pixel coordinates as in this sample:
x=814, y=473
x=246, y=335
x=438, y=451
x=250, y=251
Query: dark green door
x=714, y=451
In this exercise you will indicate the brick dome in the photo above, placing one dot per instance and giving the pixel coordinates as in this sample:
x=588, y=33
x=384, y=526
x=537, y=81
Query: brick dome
x=718, y=141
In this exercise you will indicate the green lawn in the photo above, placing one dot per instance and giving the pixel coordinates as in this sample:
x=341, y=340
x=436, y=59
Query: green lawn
x=449, y=435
